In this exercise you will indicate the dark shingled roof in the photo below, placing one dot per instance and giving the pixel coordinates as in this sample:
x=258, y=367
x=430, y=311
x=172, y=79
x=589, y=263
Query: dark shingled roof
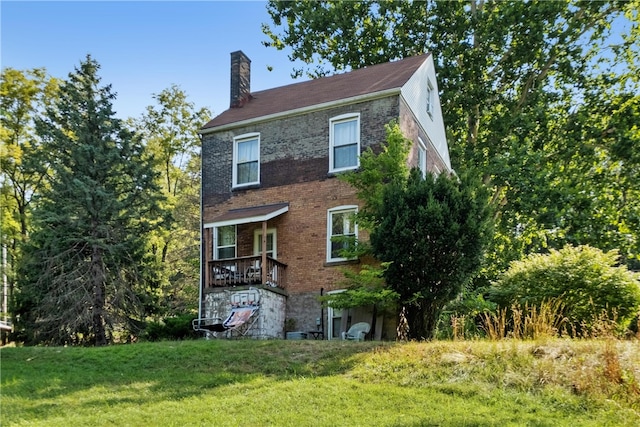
x=369, y=80
x=257, y=213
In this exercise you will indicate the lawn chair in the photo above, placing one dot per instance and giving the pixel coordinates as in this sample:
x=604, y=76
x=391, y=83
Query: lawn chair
x=357, y=332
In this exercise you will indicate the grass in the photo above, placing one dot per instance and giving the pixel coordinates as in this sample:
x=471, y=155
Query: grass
x=316, y=383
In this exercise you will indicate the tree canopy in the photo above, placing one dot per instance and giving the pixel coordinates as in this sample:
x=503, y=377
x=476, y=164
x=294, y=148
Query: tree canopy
x=169, y=131
x=85, y=273
x=539, y=97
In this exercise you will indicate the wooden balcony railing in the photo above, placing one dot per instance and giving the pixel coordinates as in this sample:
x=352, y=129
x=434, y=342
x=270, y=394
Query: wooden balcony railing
x=245, y=271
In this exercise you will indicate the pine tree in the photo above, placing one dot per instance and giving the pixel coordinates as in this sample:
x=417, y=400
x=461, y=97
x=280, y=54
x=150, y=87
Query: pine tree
x=86, y=273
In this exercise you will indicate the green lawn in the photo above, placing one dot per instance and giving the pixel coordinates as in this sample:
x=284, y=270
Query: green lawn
x=318, y=383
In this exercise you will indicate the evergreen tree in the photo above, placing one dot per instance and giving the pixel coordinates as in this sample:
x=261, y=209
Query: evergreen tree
x=433, y=233
x=85, y=274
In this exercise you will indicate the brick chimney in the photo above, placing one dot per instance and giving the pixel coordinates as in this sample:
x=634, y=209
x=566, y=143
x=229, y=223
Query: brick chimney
x=240, y=79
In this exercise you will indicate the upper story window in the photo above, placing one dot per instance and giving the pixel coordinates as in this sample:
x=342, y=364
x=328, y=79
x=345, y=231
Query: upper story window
x=430, y=98
x=344, y=142
x=341, y=227
x=225, y=242
x=246, y=160
x=422, y=157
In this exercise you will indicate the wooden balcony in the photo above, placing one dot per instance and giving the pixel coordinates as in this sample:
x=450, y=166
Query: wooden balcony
x=245, y=271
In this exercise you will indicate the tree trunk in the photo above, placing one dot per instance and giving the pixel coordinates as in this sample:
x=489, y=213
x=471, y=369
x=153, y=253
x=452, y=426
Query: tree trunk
x=98, y=277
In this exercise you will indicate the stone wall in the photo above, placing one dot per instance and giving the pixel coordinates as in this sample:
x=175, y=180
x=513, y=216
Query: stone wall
x=267, y=322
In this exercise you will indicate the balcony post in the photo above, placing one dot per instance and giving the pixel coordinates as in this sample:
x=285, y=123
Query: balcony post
x=263, y=268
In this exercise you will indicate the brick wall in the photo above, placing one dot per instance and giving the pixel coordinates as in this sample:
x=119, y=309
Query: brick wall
x=293, y=149
x=294, y=156
x=412, y=130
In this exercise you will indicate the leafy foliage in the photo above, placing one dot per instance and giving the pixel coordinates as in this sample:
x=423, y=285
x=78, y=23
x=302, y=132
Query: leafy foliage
x=588, y=281
x=433, y=233
x=23, y=95
x=85, y=275
x=536, y=96
x=169, y=132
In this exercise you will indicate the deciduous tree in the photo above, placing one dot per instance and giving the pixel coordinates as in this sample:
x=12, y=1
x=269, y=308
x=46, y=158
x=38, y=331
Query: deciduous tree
x=524, y=86
x=23, y=95
x=169, y=130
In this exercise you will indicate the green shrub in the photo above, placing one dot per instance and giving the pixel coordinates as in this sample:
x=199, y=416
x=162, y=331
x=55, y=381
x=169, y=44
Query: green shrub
x=170, y=328
x=591, y=284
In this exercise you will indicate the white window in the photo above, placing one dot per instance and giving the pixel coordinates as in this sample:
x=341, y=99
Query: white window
x=344, y=142
x=271, y=243
x=246, y=160
x=225, y=242
x=422, y=157
x=334, y=317
x=430, y=99
x=340, y=225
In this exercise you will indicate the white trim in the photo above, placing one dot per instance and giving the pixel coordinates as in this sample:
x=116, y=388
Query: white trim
x=247, y=220
x=215, y=243
x=422, y=165
x=343, y=118
x=330, y=316
x=430, y=98
x=303, y=110
x=236, y=140
x=330, y=212
x=257, y=232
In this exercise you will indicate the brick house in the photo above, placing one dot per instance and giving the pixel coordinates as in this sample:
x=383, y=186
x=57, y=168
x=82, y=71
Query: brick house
x=269, y=167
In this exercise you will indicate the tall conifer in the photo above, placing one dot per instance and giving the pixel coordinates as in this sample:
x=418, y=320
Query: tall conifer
x=86, y=271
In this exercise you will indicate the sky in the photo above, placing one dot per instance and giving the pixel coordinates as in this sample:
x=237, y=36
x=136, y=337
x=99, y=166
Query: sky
x=144, y=47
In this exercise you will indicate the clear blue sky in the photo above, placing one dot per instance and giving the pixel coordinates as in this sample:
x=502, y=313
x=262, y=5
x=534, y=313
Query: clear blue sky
x=144, y=47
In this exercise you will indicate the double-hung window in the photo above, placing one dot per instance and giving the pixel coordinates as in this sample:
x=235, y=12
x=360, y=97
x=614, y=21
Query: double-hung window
x=344, y=142
x=225, y=242
x=246, y=160
x=341, y=230
x=430, y=99
x=422, y=157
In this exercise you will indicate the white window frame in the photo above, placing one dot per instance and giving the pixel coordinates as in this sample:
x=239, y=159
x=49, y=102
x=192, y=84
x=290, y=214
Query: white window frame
x=422, y=157
x=333, y=313
x=257, y=233
x=430, y=99
x=216, y=247
x=337, y=120
x=237, y=140
x=351, y=209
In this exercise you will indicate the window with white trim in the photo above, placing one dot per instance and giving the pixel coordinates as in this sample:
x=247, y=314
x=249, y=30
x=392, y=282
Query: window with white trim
x=430, y=99
x=225, y=242
x=246, y=160
x=340, y=225
x=344, y=142
x=422, y=157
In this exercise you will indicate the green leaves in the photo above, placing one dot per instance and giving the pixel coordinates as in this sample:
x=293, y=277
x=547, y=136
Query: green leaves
x=590, y=283
x=433, y=233
x=538, y=97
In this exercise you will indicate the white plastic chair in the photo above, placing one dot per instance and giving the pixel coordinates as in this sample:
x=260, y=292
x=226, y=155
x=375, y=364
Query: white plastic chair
x=357, y=332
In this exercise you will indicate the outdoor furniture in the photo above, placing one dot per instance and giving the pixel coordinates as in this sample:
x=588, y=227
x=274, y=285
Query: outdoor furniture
x=357, y=332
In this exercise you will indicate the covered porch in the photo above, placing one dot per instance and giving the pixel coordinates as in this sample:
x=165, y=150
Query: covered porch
x=233, y=248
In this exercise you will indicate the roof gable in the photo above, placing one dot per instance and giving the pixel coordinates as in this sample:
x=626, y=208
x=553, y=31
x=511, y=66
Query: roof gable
x=364, y=81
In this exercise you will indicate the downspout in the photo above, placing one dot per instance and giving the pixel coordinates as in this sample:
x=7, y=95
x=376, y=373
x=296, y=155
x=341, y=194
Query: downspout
x=201, y=281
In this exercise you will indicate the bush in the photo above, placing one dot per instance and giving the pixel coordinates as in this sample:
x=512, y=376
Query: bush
x=591, y=284
x=171, y=328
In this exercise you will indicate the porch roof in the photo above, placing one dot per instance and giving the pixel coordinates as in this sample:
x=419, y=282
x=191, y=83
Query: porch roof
x=248, y=215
